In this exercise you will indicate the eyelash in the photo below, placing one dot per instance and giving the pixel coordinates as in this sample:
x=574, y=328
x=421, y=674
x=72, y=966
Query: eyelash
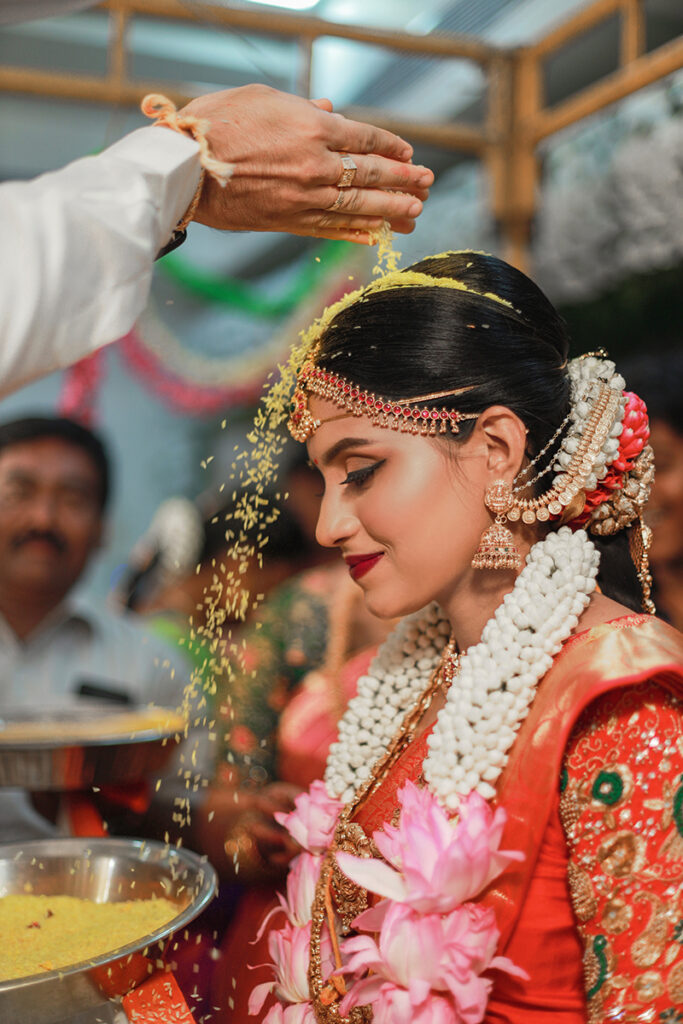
x=358, y=477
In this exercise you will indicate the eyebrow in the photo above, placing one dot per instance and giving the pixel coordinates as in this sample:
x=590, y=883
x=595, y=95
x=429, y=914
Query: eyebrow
x=342, y=445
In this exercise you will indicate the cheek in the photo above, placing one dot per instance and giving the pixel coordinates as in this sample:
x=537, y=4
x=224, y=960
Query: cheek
x=425, y=507
x=80, y=531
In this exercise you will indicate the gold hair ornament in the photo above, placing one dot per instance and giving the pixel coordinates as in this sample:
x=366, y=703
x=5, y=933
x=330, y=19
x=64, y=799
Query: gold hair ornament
x=302, y=424
x=399, y=414
x=640, y=542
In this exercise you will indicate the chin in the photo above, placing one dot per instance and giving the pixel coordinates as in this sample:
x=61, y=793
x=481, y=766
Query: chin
x=385, y=606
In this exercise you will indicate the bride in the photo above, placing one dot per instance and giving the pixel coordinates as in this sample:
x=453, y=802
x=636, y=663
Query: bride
x=491, y=493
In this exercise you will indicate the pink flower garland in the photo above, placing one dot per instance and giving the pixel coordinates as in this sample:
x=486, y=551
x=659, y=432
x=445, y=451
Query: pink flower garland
x=80, y=389
x=179, y=394
x=427, y=945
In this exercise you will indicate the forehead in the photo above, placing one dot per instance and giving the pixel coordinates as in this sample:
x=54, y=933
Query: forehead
x=49, y=460
x=342, y=429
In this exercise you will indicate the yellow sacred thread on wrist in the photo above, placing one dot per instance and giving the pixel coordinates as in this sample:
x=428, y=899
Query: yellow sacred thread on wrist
x=164, y=111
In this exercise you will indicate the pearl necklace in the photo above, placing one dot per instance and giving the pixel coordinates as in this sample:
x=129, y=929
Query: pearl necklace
x=469, y=745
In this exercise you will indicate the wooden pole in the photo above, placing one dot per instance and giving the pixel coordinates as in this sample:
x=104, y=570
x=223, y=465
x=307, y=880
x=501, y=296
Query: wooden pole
x=632, y=31
x=305, y=66
x=84, y=88
x=282, y=23
x=512, y=161
x=649, y=68
x=118, y=26
x=585, y=18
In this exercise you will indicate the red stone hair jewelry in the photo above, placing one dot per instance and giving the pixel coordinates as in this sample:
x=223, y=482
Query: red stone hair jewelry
x=398, y=414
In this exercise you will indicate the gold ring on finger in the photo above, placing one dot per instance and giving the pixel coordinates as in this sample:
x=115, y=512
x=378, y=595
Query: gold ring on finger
x=348, y=173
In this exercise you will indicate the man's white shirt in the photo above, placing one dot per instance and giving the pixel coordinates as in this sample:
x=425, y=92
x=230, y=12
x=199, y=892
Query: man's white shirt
x=78, y=247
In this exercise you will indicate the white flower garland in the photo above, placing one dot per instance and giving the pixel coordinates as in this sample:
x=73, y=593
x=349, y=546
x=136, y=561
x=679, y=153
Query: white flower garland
x=583, y=373
x=491, y=695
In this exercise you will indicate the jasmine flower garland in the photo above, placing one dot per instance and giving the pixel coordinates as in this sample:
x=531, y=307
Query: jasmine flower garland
x=493, y=691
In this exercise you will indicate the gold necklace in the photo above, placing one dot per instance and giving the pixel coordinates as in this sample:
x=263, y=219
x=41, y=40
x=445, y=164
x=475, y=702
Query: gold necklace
x=350, y=837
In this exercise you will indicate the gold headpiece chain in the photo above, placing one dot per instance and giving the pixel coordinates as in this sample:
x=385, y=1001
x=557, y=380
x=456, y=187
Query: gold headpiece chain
x=399, y=414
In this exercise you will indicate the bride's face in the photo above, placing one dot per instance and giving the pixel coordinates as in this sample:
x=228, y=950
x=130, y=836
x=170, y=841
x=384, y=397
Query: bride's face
x=406, y=515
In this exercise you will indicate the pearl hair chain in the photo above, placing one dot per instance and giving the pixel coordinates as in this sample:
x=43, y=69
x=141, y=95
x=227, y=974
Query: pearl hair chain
x=584, y=373
x=490, y=696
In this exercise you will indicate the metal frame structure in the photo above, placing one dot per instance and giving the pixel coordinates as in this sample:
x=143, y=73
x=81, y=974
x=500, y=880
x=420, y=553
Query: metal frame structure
x=517, y=119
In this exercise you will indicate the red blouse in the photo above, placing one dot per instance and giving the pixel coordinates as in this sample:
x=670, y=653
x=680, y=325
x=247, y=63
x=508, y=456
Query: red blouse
x=604, y=912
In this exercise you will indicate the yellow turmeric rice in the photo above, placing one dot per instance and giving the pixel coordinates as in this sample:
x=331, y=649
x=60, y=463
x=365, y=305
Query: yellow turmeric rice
x=93, y=727
x=46, y=933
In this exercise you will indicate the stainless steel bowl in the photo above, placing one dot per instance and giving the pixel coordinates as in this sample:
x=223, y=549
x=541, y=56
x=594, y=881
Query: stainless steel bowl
x=104, y=870
x=78, y=761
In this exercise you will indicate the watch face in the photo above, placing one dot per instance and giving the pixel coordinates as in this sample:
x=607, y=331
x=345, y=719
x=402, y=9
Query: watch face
x=28, y=10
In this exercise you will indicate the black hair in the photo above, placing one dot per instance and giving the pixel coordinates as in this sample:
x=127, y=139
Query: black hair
x=403, y=342
x=37, y=428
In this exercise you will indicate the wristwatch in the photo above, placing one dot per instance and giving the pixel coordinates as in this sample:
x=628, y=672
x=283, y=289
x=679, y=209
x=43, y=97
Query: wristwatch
x=176, y=239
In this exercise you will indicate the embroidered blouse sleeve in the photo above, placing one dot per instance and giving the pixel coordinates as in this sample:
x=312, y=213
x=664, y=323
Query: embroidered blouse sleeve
x=622, y=811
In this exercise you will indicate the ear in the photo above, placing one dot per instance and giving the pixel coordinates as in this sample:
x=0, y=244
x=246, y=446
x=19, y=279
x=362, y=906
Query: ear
x=504, y=436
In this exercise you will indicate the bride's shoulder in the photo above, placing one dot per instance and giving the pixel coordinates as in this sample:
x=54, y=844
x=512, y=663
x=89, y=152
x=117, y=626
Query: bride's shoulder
x=601, y=609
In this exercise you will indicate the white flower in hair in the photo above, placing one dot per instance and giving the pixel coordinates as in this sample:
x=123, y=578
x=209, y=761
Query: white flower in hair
x=584, y=374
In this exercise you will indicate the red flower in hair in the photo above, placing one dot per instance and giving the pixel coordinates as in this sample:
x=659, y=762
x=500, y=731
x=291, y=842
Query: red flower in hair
x=633, y=438
x=635, y=433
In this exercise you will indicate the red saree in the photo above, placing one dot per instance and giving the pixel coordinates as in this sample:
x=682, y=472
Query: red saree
x=579, y=862
x=594, y=798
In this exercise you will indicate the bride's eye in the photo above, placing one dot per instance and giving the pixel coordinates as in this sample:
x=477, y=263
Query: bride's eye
x=358, y=477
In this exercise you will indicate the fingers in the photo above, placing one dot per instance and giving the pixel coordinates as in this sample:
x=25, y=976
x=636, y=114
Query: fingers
x=378, y=172
x=369, y=202
x=278, y=796
x=275, y=847
x=356, y=137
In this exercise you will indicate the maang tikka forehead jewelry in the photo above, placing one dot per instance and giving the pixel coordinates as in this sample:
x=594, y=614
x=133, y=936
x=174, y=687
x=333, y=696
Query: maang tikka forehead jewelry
x=398, y=414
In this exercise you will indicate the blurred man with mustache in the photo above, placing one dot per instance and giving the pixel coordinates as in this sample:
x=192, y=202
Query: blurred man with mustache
x=54, y=484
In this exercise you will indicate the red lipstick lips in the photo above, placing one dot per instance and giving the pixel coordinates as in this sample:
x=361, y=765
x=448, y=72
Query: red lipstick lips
x=360, y=564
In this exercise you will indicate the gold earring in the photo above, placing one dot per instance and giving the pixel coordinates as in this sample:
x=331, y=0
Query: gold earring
x=497, y=549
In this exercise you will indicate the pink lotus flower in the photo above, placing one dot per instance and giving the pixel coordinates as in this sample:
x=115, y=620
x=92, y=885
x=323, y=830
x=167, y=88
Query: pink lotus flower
x=394, y=1005
x=298, y=1013
x=289, y=951
x=302, y=878
x=425, y=966
x=312, y=824
x=303, y=875
x=434, y=863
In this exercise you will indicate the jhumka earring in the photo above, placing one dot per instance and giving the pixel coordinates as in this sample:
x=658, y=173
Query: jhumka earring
x=497, y=549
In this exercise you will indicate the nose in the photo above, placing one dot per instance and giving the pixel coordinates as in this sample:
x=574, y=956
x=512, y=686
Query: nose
x=335, y=523
x=42, y=512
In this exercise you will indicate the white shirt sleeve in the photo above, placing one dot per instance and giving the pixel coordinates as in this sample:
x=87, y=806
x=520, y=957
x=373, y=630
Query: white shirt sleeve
x=78, y=245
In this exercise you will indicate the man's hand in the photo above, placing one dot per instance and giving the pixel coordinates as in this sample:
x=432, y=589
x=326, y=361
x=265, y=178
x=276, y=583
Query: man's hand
x=286, y=152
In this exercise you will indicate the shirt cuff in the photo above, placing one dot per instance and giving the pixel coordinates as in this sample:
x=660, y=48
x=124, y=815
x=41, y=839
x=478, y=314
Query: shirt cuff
x=170, y=160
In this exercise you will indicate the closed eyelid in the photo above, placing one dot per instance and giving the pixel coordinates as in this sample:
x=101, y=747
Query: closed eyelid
x=363, y=472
